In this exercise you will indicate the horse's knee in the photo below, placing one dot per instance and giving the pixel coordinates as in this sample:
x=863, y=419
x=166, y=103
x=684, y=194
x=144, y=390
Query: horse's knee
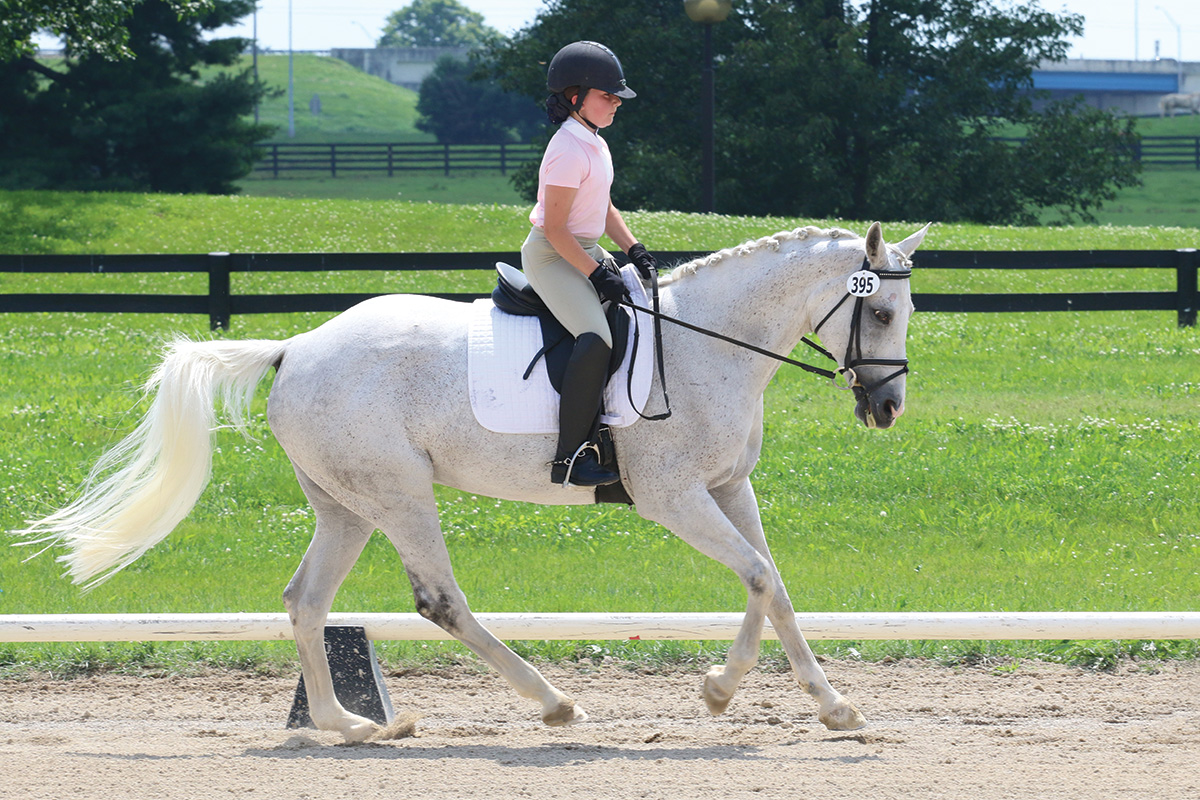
x=291, y=599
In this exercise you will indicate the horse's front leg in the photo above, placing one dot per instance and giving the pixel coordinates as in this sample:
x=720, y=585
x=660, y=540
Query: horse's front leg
x=739, y=504
x=696, y=518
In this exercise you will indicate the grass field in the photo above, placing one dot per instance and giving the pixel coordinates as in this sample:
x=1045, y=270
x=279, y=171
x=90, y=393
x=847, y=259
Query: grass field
x=1046, y=462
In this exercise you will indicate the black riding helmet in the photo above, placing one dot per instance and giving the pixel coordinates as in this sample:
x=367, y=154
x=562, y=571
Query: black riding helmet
x=588, y=65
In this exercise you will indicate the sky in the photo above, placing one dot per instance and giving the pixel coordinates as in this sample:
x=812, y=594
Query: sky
x=1113, y=29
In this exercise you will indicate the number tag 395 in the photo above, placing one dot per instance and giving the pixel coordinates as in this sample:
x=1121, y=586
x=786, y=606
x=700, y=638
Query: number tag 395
x=863, y=283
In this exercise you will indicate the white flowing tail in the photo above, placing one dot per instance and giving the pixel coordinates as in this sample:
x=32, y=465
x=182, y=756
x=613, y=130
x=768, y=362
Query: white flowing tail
x=141, y=489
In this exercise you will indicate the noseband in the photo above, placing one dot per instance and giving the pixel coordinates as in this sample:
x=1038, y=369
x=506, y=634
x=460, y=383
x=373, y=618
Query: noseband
x=854, y=354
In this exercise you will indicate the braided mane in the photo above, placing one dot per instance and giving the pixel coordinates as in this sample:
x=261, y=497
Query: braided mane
x=774, y=242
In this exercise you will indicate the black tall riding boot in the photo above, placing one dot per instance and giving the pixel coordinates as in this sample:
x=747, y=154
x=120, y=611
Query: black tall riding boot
x=577, y=461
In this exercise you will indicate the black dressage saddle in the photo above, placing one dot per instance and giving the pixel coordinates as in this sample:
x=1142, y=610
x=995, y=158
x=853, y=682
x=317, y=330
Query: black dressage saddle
x=514, y=295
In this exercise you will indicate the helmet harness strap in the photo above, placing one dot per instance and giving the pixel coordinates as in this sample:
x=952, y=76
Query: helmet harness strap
x=577, y=107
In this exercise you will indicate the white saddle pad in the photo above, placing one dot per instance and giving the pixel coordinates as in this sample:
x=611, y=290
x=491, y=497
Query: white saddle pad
x=500, y=347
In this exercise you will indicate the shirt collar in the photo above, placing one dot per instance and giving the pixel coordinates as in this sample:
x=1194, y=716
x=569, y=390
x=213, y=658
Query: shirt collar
x=580, y=132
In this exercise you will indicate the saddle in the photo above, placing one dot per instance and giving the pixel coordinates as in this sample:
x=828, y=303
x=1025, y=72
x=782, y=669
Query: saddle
x=514, y=295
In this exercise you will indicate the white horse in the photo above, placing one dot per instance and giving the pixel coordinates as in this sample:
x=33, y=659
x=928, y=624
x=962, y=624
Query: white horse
x=372, y=410
x=1186, y=102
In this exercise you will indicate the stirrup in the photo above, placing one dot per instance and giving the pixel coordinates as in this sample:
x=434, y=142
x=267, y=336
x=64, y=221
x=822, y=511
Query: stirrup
x=592, y=473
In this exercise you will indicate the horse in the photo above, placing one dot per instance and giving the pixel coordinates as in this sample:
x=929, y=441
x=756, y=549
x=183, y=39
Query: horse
x=1187, y=102
x=372, y=411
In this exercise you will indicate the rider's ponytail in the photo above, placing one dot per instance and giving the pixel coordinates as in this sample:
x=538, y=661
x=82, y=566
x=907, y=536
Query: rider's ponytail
x=558, y=108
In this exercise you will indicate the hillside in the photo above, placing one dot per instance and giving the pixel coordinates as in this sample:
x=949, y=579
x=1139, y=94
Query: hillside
x=354, y=106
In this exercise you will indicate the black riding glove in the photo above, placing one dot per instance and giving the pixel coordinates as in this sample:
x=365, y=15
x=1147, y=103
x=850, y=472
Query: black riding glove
x=647, y=265
x=608, y=283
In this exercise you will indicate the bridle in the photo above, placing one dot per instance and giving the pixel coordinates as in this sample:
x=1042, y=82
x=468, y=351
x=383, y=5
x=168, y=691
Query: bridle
x=854, y=355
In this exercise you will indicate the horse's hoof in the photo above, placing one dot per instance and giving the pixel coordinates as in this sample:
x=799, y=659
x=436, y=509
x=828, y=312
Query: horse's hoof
x=360, y=729
x=564, y=714
x=843, y=717
x=715, y=696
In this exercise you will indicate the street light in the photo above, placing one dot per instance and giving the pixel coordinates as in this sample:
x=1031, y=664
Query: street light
x=291, y=81
x=1178, y=48
x=707, y=13
x=255, y=62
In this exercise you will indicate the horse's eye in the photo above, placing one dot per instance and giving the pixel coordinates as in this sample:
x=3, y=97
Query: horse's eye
x=884, y=317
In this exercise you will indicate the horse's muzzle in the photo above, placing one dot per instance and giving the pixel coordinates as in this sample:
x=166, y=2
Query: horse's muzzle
x=879, y=409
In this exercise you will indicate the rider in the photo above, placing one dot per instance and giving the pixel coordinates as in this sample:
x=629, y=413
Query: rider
x=562, y=257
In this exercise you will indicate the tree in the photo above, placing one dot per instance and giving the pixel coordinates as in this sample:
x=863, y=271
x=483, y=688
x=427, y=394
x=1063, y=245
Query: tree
x=96, y=27
x=142, y=123
x=435, y=23
x=460, y=104
x=885, y=109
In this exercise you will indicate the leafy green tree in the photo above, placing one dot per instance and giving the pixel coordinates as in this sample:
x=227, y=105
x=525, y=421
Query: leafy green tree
x=97, y=26
x=884, y=109
x=462, y=105
x=143, y=123
x=436, y=23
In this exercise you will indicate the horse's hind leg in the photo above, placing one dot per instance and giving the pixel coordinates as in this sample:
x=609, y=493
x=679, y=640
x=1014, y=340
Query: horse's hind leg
x=415, y=531
x=837, y=713
x=336, y=545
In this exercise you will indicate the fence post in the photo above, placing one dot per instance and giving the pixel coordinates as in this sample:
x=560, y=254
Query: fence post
x=390, y=170
x=275, y=159
x=1186, y=297
x=220, y=308
x=446, y=158
x=333, y=160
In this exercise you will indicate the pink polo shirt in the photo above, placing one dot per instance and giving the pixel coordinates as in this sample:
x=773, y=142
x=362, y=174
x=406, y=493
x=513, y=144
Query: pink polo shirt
x=577, y=158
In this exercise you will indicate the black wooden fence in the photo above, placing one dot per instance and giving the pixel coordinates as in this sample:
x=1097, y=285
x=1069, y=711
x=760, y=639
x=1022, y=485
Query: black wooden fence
x=343, y=158
x=1169, y=151
x=220, y=303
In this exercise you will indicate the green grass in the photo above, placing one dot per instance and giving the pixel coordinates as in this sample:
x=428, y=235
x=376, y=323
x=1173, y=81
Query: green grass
x=1046, y=462
x=416, y=187
x=1167, y=197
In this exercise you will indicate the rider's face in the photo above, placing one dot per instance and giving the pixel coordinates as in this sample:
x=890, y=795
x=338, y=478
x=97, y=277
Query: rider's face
x=600, y=107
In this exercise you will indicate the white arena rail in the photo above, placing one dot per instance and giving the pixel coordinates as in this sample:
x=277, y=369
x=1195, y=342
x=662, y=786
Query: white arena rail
x=575, y=626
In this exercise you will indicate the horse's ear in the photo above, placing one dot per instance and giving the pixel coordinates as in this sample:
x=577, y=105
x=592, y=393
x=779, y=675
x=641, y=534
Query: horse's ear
x=909, y=245
x=876, y=254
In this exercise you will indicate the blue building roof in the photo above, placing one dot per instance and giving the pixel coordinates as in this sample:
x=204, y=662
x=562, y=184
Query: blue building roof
x=1150, y=83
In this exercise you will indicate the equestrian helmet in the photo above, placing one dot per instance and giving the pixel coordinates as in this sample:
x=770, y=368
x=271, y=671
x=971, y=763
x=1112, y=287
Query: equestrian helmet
x=589, y=65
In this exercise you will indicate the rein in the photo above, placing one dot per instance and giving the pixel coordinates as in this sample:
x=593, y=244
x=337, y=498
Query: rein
x=848, y=363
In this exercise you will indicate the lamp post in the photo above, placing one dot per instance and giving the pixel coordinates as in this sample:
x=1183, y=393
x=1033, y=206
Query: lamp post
x=255, y=61
x=707, y=13
x=1178, y=49
x=291, y=81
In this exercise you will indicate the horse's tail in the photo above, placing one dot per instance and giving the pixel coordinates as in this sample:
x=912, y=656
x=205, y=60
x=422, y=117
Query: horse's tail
x=144, y=486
